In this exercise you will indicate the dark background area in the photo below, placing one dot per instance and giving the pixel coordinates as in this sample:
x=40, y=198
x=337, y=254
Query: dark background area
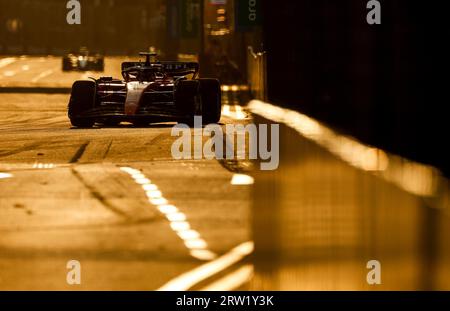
x=107, y=26
x=384, y=84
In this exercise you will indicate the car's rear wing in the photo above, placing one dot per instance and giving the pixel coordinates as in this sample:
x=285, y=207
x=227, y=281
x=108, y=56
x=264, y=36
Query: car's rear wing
x=175, y=69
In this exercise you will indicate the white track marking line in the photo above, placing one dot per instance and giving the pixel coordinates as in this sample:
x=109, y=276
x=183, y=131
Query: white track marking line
x=9, y=73
x=12, y=73
x=43, y=75
x=242, y=179
x=198, y=248
x=7, y=61
x=43, y=165
x=233, y=280
x=5, y=175
x=205, y=271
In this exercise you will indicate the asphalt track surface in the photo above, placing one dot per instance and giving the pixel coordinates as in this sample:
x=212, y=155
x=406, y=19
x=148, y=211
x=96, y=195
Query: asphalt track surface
x=98, y=195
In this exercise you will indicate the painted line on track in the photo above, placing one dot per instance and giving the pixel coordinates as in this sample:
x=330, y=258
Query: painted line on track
x=7, y=61
x=242, y=180
x=43, y=165
x=189, y=279
x=9, y=73
x=43, y=75
x=197, y=246
x=233, y=280
x=235, y=112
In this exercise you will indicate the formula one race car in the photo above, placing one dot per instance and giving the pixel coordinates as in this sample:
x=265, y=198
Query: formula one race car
x=150, y=92
x=83, y=61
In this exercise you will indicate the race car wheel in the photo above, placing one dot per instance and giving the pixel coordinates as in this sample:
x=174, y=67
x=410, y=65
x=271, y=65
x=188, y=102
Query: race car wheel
x=211, y=99
x=186, y=97
x=82, y=99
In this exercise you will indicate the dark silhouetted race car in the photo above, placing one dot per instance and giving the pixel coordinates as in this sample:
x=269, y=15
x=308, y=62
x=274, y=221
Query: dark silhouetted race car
x=83, y=61
x=150, y=92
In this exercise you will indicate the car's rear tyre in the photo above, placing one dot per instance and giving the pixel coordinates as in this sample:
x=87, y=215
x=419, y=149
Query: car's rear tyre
x=82, y=99
x=211, y=99
x=187, y=97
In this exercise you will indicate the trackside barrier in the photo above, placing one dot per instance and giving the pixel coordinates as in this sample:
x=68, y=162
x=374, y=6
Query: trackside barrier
x=335, y=206
x=256, y=66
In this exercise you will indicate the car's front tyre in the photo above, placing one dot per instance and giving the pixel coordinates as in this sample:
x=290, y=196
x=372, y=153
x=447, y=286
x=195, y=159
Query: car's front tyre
x=211, y=99
x=82, y=99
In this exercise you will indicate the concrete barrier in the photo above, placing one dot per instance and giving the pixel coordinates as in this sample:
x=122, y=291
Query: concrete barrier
x=323, y=216
x=37, y=89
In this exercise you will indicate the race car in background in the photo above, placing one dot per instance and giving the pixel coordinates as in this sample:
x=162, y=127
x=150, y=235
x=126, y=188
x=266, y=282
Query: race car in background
x=149, y=92
x=83, y=61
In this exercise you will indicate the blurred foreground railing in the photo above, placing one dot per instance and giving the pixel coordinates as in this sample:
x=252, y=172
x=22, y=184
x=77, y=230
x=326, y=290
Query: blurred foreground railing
x=334, y=205
x=256, y=66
